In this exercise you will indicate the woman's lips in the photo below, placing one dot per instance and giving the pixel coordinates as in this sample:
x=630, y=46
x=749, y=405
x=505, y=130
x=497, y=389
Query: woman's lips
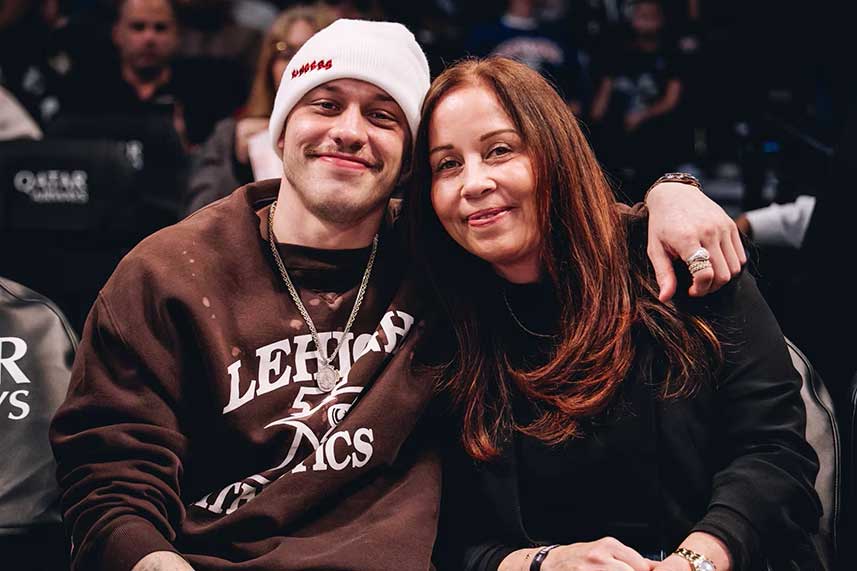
x=487, y=216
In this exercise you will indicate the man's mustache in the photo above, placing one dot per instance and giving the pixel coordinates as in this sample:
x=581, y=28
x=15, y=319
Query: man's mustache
x=334, y=151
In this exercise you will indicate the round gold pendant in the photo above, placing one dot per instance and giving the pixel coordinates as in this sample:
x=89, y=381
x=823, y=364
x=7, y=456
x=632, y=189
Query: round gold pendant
x=326, y=378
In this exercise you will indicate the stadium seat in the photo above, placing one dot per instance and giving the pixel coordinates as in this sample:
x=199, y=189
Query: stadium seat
x=37, y=347
x=822, y=433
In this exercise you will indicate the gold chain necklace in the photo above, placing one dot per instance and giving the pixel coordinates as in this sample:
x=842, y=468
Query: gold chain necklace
x=520, y=324
x=327, y=375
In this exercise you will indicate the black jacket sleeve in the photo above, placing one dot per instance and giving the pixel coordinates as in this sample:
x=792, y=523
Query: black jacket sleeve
x=469, y=538
x=762, y=486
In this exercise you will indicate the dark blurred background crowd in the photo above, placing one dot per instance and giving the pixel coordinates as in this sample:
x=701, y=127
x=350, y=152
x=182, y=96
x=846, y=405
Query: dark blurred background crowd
x=120, y=117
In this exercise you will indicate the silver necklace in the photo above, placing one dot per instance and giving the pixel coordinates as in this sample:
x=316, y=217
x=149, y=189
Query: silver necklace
x=521, y=325
x=327, y=375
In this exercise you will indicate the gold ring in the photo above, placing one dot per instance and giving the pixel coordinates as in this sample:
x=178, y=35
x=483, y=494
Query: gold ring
x=700, y=255
x=698, y=266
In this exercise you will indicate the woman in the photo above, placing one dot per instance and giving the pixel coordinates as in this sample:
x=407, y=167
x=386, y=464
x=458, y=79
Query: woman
x=223, y=164
x=592, y=417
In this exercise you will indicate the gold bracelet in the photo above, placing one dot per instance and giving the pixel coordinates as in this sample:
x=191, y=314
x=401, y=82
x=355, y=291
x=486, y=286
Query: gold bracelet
x=697, y=562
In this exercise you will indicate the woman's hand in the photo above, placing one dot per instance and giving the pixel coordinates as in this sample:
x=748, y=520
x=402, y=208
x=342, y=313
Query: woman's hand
x=606, y=554
x=704, y=544
x=673, y=563
x=681, y=220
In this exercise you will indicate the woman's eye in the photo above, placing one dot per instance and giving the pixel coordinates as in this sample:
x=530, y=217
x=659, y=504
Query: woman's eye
x=446, y=165
x=500, y=150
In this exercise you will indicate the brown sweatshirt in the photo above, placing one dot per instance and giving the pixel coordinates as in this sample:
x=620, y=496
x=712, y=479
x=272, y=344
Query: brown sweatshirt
x=193, y=422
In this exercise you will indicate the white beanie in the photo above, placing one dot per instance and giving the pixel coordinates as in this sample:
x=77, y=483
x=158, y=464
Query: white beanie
x=384, y=54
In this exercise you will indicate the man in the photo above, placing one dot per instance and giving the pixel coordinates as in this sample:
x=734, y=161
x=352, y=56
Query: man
x=633, y=109
x=150, y=81
x=210, y=423
x=145, y=35
x=521, y=35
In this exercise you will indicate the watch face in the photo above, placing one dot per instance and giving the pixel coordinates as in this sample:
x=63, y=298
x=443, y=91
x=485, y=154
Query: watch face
x=682, y=176
x=705, y=565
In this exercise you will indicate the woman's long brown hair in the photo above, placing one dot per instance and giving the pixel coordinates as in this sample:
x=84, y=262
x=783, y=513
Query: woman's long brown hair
x=606, y=295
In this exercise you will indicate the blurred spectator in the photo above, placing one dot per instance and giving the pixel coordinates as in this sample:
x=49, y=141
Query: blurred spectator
x=145, y=35
x=594, y=21
x=147, y=80
x=365, y=9
x=519, y=34
x=438, y=25
x=143, y=97
x=15, y=122
x=255, y=14
x=634, y=106
x=223, y=163
x=33, y=56
x=210, y=30
x=778, y=224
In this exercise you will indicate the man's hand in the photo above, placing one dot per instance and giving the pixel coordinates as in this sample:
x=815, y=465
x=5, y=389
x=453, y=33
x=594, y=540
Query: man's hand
x=162, y=561
x=682, y=219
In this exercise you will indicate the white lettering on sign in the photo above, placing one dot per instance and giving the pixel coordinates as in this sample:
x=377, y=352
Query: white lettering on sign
x=9, y=369
x=9, y=363
x=53, y=186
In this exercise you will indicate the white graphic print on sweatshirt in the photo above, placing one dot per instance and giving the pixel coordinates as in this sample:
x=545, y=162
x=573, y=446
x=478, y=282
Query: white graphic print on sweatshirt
x=311, y=422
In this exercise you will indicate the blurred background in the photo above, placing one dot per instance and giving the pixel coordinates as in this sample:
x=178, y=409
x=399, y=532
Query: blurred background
x=120, y=117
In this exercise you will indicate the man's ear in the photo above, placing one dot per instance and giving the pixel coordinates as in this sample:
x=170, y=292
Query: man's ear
x=281, y=142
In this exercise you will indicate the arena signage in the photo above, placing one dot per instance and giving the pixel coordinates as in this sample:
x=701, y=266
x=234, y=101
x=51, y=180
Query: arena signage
x=53, y=186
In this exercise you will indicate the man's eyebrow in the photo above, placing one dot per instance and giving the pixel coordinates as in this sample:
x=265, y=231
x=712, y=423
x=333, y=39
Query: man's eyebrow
x=330, y=88
x=482, y=138
x=337, y=90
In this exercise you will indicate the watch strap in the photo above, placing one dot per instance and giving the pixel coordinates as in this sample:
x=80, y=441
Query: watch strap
x=698, y=562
